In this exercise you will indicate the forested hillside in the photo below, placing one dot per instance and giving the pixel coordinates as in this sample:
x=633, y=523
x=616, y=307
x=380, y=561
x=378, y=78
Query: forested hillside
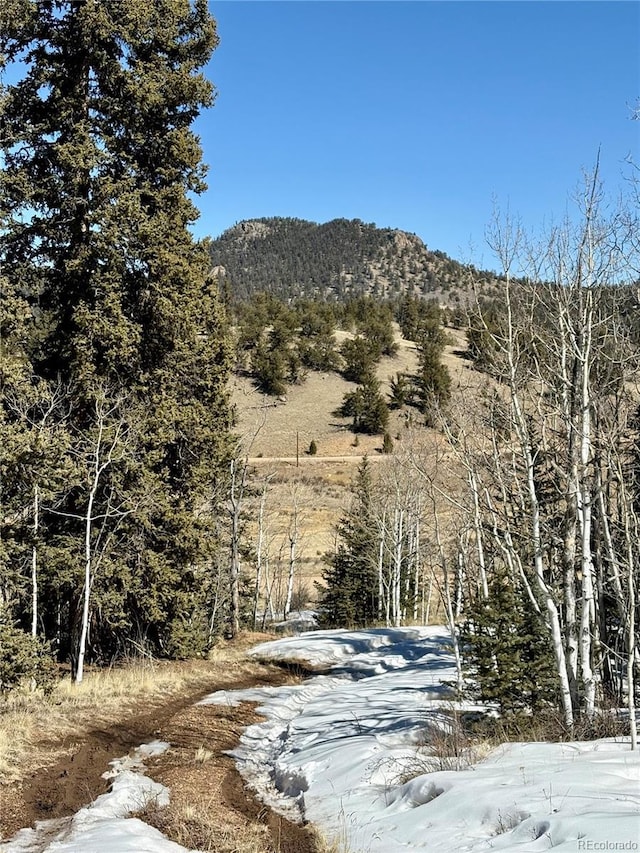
x=291, y=258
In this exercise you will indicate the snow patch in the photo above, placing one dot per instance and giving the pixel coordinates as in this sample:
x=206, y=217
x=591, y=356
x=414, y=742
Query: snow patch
x=337, y=750
x=104, y=826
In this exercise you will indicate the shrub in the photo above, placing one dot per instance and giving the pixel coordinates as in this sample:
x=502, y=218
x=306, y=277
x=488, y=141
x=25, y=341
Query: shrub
x=187, y=637
x=313, y=448
x=24, y=657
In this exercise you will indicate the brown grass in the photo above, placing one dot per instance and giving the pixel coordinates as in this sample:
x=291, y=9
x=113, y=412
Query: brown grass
x=34, y=729
x=196, y=826
x=308, y=413
x=271, y=429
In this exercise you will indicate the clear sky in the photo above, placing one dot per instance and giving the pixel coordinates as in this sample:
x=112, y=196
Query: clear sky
x=415, y=115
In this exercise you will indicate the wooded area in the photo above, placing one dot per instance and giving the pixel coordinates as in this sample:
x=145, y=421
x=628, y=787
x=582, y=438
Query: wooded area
x=528, y=517
x=115, y=348
x=514, y=511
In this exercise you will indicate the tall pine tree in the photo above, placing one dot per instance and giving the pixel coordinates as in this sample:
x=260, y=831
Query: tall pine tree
x=349, y=597
x=99, y=167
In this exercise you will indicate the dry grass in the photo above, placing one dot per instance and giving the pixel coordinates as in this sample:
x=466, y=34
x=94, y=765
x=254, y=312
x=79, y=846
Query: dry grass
x=308, y=413
x=196, y=826
x=447, y=745
x=202, y=755
x=464, y=742
x=324, y=846
x=549, y=726
x=322, y=482
x=18, y=729
x=35, y=728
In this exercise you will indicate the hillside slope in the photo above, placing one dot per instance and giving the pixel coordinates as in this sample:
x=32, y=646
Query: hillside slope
x=335, y=260
x=317, y=488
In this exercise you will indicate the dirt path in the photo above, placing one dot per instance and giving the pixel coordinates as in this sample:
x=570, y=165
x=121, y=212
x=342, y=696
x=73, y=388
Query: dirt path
x=305, y=459
x=203, y=781
x=210, y=808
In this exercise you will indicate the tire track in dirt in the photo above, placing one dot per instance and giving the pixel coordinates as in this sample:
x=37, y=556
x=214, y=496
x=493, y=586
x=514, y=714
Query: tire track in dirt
x=214, y=784
x=72, y=782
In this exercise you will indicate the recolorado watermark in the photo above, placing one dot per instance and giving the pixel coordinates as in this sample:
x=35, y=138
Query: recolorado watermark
x=585, y=844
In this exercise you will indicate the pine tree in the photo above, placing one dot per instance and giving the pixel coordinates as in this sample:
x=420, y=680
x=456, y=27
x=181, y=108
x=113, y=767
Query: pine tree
x=99, y=163
x=317, y=344
x=508, y=653
x=349, y=596
x=366, y=406
x=398, y=391
x=433, y=381
x=359, y=359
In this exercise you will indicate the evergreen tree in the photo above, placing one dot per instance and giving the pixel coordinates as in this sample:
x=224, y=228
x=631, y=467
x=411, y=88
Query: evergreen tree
x=418, y=317
x=359, y=359
x=486, y=325
x=317, y=344
x=433, y=381
x=507, y=650
x=366, y=406
x=349, y=596
x=99, y=163
x=399, y=391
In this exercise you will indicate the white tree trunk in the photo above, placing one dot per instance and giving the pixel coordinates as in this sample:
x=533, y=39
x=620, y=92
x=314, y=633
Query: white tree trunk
x=383, y=601
x=397, y=567
x=34, y=562
x=477, y=528
x=259, y=546
x=587, y=622
x=631, y=646
x=416, y=574
x=88, y=525
x=292, y=568
x=235, y=508
x=448, y=605
x=633, y=552
x=553, y=616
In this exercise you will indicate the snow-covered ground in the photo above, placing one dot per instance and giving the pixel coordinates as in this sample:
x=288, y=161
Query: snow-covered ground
x=349, y=751
x=341, y=749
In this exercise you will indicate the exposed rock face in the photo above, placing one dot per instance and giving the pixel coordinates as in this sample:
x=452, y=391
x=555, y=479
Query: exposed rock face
x=249, y=229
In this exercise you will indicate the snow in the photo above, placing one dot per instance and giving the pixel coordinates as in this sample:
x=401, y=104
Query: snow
x=350, y=750
x=297, y=621
x=104, y=826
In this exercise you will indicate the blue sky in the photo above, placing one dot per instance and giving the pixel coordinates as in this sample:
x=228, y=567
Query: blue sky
x=416, y=115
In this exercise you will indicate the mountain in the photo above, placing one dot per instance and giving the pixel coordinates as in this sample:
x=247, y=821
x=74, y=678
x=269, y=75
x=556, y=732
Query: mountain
x=342, y=258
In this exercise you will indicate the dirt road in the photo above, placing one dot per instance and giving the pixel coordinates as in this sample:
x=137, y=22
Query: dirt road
x=305, y=459
x=210, y=807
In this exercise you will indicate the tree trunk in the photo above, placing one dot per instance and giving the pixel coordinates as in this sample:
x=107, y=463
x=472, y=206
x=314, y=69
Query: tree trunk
x=290, y=578
x=256, y=598
x=84, y=625
x=34, y=562
x=235, y=507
